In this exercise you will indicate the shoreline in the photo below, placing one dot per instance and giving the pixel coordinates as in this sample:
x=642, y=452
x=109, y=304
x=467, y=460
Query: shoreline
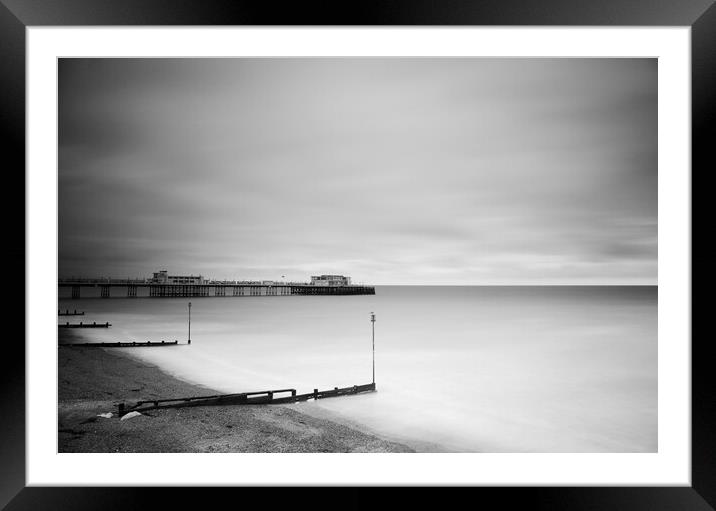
x=92, y=382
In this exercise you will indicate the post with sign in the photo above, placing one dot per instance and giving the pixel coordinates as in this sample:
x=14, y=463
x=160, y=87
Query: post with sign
x=372, y=320
x=189, y=336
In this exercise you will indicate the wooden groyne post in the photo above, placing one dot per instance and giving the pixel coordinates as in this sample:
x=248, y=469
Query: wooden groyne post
x=94, y=324
x=129, y=344
x=264, y=397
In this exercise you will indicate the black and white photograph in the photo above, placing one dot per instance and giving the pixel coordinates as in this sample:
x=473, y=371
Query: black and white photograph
x=357, y=255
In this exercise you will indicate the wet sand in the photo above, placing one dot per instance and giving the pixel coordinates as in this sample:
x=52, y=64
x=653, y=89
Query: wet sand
x=93, y=380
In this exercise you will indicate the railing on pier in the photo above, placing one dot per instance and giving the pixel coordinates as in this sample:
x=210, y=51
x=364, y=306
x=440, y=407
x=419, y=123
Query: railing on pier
x=101, y=280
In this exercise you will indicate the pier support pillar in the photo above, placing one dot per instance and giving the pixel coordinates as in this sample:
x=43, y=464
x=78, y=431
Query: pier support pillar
x=75, y=292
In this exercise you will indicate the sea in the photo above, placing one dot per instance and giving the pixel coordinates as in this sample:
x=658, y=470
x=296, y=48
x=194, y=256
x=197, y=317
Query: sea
x=457, y=368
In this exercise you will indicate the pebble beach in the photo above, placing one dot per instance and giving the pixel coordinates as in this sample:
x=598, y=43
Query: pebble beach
x=91, y=381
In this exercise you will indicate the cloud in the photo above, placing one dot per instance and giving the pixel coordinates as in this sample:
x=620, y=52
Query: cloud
x=390, y=170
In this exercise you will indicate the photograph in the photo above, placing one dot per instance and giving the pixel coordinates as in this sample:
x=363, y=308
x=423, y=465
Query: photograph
x=357, y=255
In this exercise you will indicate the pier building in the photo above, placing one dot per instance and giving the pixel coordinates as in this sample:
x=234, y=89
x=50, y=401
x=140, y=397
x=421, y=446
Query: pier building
x=330, y=280
x=162, y=277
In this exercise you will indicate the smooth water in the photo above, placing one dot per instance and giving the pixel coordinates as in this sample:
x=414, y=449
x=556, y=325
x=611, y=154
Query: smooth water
x=488, y=369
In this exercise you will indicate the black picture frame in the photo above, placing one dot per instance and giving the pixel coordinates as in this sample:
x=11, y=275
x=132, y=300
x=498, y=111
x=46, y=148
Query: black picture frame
x=16, y=15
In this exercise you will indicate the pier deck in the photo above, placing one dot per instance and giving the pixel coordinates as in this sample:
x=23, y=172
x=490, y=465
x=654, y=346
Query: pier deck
x=134, y=289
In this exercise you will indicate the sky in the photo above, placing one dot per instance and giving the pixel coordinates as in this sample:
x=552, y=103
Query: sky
x=424, y=171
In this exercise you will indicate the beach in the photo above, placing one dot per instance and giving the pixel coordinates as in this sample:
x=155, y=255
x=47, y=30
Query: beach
x=93, y=380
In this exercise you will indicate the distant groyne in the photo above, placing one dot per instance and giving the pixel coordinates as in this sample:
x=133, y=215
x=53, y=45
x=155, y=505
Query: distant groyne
x=141, y=288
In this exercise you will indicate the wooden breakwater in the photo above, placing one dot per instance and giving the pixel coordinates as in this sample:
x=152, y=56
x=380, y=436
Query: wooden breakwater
x=130, y=344
x=281, y=396
x=94, y=324
x=70, y=313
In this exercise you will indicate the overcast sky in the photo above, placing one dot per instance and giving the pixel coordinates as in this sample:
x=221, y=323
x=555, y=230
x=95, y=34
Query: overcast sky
x=392, y=171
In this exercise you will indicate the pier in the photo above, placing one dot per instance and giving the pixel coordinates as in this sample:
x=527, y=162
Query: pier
x=143, y=288
x=245, y=398
x=68, y=313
